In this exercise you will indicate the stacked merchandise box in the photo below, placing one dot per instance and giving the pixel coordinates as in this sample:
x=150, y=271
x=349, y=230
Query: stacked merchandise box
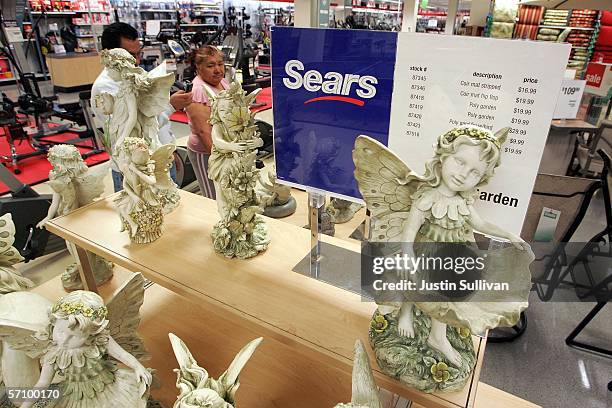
x=557, y=18
x=603, y=45
x=528, y=20
x=583, y=18
x=504, y=17
x=552, y=34
x=583, y=23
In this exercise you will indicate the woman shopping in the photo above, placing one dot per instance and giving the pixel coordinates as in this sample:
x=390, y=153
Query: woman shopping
x=208, y=62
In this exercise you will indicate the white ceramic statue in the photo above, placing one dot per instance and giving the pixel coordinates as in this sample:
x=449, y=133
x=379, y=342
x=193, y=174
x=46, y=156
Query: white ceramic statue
x=428, y=344
x=133, y=110
x=16, y=368
x=144, y=175
x=365, y=391
x=342, y=211
x=241, y=232
x=82, y=341
x=197, y=388
x=75, y=185
x=10, y=278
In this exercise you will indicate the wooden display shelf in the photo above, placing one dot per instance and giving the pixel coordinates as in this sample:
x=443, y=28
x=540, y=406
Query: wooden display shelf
x=163, y=312
x=309, y=327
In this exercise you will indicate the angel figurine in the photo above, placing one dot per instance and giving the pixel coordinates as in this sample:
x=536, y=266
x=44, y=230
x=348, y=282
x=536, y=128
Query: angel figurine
x=133, y=111
x=10, y=278
x=139, y=205
x=428, y=344
x=81, y=342
x=197, y=388
x=75, y=185
x=365, y=391
x=241, y=232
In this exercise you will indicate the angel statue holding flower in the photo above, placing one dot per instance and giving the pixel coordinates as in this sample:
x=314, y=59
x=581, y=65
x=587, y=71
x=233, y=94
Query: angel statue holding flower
x=428, y=344
x=81, y=343
x=241, y=232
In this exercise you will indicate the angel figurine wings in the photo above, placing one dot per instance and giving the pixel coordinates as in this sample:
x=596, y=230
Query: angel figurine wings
x=197, y=388
x=81, y=342
x=134, y=110
x=75, y=185
x=144, y=174
x=365, y=391
x=241, y=232
x=428, y=344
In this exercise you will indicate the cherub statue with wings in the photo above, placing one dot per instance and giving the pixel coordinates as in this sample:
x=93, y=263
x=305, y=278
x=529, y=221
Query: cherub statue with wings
x=144, y=175
x=427, y=344
x=81, y=342
x=75, y=185
x=134, y=110
x=197, y=388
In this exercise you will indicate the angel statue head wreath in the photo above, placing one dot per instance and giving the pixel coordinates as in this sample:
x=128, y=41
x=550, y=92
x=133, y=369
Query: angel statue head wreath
x=428, y=215
x=66, y=161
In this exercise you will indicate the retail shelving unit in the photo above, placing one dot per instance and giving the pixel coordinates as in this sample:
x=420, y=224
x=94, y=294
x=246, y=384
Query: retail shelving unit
x=127, y=11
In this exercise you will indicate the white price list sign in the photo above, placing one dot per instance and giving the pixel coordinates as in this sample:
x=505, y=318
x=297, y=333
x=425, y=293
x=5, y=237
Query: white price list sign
x=441, y=82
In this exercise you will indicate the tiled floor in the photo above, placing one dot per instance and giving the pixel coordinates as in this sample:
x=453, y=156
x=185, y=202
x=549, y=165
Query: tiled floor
x=538, y=367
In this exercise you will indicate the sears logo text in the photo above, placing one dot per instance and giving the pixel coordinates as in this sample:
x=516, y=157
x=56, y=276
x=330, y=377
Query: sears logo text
x=338, y=86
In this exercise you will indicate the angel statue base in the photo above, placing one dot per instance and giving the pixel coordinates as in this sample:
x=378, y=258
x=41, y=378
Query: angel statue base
x=365, y=391
x=133, y=111
x=241, y=231
x=428, y=344
x=81, y=343
x=139, y=205
x=75, y=185
x=197, y=388
x=276, y=199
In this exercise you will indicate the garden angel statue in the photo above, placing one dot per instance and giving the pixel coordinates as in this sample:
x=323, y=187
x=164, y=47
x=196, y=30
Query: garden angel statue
x=241, y=232
x=82, y=341
x=134, y=109
x=197, y=388
x=75, y=185
x=144, y=175
x=428, y=344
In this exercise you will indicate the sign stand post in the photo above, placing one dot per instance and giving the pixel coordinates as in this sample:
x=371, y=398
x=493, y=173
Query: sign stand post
x=316, y=204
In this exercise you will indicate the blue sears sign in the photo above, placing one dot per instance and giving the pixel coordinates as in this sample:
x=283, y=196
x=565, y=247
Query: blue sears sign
x=329, y=86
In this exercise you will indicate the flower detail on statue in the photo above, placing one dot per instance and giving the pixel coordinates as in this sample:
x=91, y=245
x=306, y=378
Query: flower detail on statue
x=240, y=232
x=439, y=372
x=379, y=324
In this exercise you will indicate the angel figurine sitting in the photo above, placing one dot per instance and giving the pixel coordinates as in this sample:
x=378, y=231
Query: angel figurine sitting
x=428, y=344
x=241, y=232
x=139, y=205
x=75, y=185
x=133, y=111
x=197, y=388
x=81, y=342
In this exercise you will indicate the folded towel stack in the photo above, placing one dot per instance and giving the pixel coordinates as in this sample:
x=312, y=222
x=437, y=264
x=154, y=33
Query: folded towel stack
x=583, y=18
x=556, y=17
